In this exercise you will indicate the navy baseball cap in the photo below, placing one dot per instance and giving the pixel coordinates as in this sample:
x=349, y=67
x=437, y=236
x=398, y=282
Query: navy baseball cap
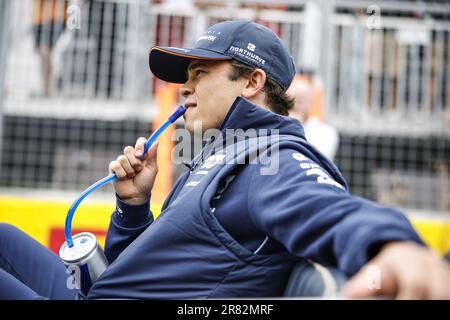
x=242, y=40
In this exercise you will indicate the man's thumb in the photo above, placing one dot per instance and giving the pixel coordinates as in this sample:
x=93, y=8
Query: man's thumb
x=152, y=154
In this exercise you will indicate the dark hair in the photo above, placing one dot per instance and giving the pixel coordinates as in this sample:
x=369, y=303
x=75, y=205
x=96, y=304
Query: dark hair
x=276, y=97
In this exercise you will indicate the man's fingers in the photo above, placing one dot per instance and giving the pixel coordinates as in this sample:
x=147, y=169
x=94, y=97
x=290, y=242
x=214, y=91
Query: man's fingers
x=126, y=165
x=371, y=281
x=129, y=164
x=116, y=168
x=356, y=287
x=439, y=283
x=153, y=151
x=410, y=290
x=406, y=271
x=152, y=155
x=139, y=147
x=414, y=282
x=135, y=162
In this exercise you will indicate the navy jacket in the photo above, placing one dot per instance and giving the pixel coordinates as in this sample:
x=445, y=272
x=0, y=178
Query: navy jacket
x=229, y=229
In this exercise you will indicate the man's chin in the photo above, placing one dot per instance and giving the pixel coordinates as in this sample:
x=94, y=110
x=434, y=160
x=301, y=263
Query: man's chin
x=189, y=127
x=193, y=125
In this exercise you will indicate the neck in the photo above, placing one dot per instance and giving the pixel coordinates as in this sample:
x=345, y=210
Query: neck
x=260, y=101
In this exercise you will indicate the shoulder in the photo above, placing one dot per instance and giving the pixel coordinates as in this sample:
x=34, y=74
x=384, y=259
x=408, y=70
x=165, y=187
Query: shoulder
x=290, y=166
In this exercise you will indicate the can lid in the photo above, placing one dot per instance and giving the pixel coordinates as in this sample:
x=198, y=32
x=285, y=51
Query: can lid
x=83, y=244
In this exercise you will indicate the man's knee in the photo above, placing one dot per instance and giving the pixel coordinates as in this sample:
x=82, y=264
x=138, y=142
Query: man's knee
x=8, y=231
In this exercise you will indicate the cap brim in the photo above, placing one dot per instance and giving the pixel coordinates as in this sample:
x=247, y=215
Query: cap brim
x=170, y=64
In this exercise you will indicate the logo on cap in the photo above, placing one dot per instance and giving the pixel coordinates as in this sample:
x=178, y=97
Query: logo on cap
x=209, y=38
x=251, y=46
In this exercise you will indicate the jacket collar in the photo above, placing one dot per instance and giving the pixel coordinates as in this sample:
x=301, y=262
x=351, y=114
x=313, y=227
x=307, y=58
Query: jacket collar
x=246, y=115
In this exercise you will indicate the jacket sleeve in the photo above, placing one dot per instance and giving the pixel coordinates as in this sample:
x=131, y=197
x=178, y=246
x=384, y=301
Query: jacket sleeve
x=127, y=223
x=314, y=217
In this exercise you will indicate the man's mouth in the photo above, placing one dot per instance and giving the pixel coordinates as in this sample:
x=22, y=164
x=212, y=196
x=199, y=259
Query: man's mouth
x=189, y=106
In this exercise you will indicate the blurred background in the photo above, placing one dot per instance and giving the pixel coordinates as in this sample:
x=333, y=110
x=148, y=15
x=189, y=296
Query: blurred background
x=75, y=89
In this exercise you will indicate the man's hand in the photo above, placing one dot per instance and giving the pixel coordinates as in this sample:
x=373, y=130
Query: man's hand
x=135, y=177
x=402, y=270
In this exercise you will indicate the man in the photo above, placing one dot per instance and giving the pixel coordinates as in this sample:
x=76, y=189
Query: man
x=228, y=228
x=320, y=134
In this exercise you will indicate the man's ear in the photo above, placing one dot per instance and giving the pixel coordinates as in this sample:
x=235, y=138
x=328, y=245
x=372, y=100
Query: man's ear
x=255, y=84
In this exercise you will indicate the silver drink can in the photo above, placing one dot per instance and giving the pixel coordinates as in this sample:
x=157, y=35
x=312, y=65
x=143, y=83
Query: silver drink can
x=85, y=260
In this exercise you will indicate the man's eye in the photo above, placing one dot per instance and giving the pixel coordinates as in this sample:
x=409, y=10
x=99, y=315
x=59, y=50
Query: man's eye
x=198, y=72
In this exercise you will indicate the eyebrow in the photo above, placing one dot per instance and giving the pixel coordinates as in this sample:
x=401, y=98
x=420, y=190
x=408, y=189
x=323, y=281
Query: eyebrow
x=196, y=65
x=193, y=66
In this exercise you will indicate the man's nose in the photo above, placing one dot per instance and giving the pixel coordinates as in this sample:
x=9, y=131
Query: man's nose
x=186, y=91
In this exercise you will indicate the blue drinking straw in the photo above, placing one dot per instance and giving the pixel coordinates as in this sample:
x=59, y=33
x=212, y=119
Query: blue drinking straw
x=112, y=177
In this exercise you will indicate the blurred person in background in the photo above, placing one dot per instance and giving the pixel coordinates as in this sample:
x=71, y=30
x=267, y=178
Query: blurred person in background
x=308, y=109
x=49, y=18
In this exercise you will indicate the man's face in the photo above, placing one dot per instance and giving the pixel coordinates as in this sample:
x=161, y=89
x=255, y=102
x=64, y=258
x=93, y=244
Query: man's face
x=209, y=94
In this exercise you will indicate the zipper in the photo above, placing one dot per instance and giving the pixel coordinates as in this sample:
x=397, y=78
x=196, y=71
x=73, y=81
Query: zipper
x=192, y=165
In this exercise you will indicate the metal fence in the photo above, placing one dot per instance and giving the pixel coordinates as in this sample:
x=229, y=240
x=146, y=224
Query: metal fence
x=385, y=71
